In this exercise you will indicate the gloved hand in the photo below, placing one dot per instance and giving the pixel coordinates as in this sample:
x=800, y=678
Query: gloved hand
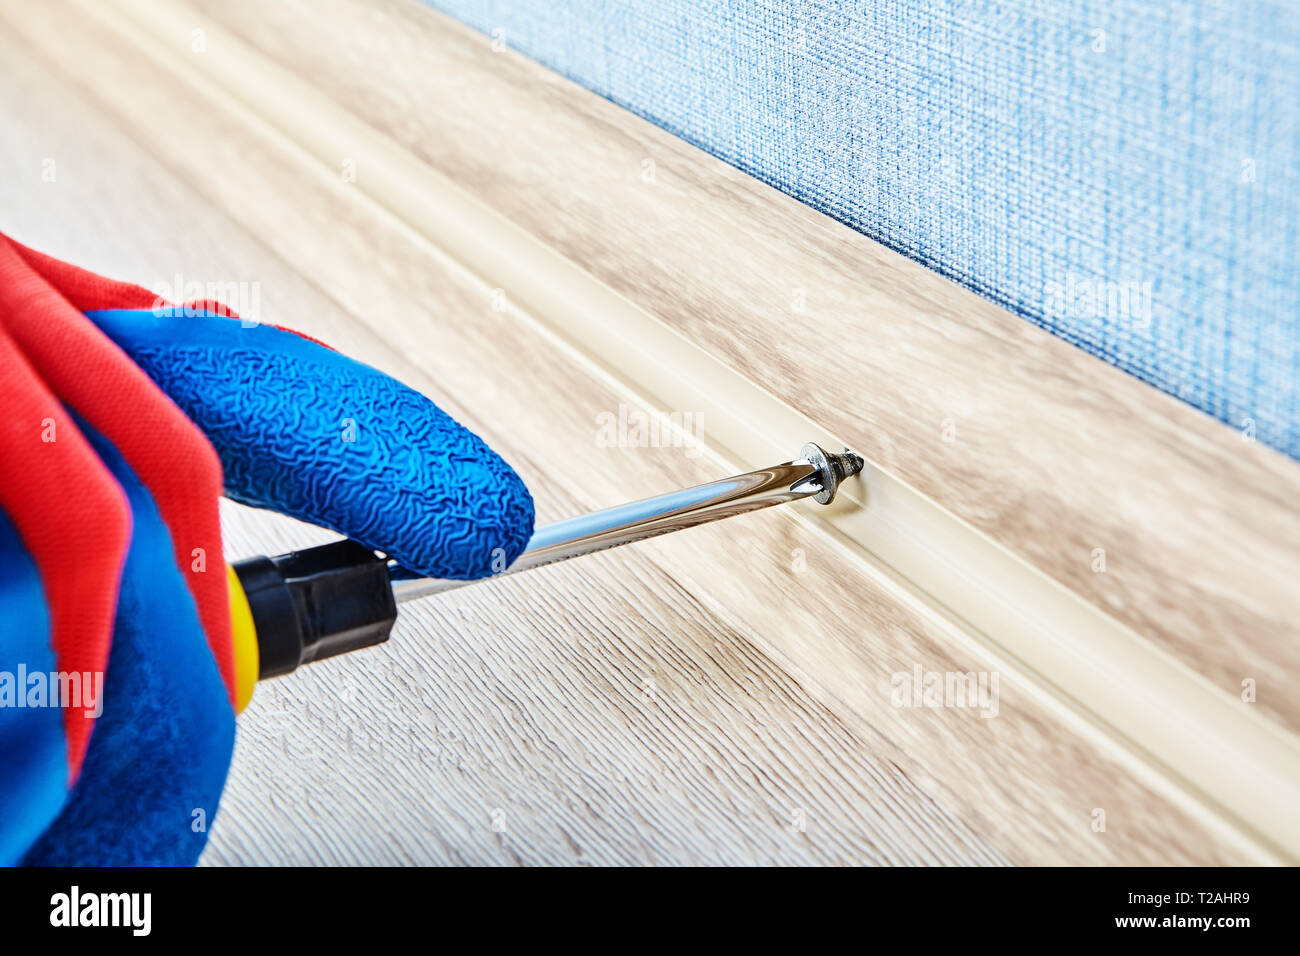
x=119, y=419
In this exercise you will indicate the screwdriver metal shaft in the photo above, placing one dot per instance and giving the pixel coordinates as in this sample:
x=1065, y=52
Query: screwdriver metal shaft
x=815, y=474
x=305, y=606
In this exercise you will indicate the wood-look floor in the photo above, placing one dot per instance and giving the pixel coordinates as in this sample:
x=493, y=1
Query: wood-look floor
x=663, y=703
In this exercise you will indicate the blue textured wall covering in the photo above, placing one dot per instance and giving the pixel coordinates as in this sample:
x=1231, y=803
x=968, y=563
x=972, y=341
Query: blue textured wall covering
x=1124, y=174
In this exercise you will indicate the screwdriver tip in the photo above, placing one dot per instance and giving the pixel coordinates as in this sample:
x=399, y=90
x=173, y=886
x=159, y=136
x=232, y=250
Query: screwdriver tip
x=834, y=468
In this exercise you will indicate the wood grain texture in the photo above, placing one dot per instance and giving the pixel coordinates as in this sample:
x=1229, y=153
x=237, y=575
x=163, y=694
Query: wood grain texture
x=529, y=696
x=494, y=727
x=1055, y=454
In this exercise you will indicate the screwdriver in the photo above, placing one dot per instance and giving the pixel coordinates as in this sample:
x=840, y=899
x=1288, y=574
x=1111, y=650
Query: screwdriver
x=308, y=605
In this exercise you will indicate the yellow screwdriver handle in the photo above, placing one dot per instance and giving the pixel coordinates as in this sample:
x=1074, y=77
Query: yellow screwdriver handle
x=243, y=635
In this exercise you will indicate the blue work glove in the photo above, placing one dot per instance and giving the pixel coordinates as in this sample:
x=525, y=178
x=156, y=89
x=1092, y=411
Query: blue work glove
x=110, y=558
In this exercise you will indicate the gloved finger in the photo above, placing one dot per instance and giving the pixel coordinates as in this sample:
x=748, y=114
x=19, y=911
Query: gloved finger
x=154, y=770
x=306, y=431
x=34, y=771
x=66, y=527
x=90, y=376
x=123, y=623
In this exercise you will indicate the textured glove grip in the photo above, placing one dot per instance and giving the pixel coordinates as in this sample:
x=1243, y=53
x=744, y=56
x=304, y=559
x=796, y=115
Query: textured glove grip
x=309, y=432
